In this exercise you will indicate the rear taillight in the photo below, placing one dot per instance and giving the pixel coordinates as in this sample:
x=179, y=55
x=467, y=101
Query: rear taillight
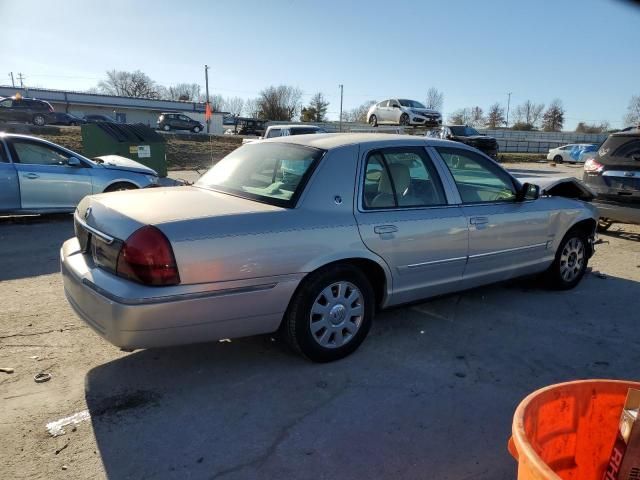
x=147, y=257
x=591, y=166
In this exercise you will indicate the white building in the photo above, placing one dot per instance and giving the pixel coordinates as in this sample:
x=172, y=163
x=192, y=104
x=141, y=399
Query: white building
x=122, y=109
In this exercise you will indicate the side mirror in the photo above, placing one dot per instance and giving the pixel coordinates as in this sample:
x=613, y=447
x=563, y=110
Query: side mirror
x=528, y=191
x=74, y=162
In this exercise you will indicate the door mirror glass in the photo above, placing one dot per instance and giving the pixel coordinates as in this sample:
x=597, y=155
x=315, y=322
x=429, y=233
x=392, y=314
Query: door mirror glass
x=74, y=162
x=529, y=191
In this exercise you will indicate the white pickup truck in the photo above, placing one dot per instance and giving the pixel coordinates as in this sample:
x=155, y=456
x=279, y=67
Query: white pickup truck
x=285, y=130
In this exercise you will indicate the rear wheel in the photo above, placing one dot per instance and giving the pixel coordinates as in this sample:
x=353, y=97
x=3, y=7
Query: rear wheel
x=571, y=260
x=117, y=187
x=373, y=121
x=604, y=224
x=331, y=313
x=166, y=128
x=558, y=159
x=404, y=120
x=39, y=120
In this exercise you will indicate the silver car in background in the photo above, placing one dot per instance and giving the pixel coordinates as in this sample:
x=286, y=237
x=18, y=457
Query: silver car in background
x=403, y=112
x=37, y=176
x=309, y=235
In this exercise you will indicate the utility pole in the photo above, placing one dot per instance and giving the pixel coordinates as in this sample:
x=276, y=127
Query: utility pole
x=206, y=83
x=21, y=78
x=13, y=82
x=341, y=92
x=508, y=105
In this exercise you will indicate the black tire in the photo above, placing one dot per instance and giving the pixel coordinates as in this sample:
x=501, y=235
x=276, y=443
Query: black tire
x=116, y=187
x=39, y=120
x=296, y=326
x=558, y=159
x=604, y=224
x=404, y=120
x=196, y=130
x=373, y=121
x=166, y=127
x=560, y=264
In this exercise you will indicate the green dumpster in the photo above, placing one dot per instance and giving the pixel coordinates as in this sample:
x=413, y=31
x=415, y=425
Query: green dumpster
x=135, y=141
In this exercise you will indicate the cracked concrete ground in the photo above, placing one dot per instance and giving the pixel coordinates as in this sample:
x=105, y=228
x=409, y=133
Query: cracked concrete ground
x=430, y=394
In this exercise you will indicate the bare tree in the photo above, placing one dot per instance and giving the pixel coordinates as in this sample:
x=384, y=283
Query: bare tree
x=252, y=108
x=583, y=127
x=632, y=116
x=234, y=105
x=129, y=84
x=435, y=99
x=553, y=118
x=189, y=92
x=477, y=117
x=217, y=103
x=279, y=103
x=495, y=117
x=461, y=116
x=358, y=114
x=529, y=113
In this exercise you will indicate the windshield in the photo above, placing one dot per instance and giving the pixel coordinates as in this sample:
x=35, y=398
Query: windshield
x=274, y=173
x=464, y=131
x=411, y=103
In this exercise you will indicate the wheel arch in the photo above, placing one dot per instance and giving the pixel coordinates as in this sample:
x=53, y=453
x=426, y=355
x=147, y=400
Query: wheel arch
x=120, y=180
x=376, y=270
x=588, y=226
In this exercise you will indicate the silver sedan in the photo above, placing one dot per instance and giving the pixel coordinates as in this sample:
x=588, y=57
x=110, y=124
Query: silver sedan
x=37, y=176
x=310, y=235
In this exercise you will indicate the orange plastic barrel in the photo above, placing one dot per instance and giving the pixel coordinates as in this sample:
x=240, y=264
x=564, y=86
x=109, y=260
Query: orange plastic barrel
x=566, y=431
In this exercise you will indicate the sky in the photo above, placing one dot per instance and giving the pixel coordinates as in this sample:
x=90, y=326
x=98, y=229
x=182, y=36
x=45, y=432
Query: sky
x=584, y=52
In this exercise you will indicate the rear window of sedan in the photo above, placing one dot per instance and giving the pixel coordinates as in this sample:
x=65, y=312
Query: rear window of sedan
x=274, y=173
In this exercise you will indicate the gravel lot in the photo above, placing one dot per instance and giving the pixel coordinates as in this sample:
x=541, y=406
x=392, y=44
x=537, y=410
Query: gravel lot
x=430, y=394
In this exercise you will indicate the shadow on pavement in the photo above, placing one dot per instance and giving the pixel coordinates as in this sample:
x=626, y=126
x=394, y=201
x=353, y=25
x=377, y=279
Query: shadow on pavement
x=620, y=232
x=30, y=245
x=430, y=394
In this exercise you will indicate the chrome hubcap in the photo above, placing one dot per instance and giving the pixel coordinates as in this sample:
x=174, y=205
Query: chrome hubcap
x=336, y=315
x=572, y=259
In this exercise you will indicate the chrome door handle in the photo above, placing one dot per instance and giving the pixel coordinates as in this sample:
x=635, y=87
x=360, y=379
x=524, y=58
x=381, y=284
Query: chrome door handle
x=382, y=229
x=478, y=220
x=31, y=175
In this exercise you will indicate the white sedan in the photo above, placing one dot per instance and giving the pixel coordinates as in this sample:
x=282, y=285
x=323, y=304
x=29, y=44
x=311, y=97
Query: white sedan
x=568, y=153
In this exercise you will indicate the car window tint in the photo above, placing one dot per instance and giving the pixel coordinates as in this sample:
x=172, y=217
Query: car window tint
x=478, y=180
x=403, y=177
x=35, y=154
x=274, y=133
x=383, y=104
x=3, y=155
x=6, y=103
x=628, y=150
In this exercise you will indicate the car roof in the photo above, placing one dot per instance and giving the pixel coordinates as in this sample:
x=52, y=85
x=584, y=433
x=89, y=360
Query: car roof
x=328, y=141
x=295, y=126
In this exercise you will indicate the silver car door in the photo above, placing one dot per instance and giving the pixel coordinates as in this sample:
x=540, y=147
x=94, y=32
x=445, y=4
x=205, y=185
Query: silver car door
x=404, y=216
x=394, y=112
x=382, y=112
x=9, y=188
x=46, y=180
x=507, y=237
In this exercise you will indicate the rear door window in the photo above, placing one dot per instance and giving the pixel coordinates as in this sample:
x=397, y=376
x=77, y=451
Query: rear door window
x=401, y=178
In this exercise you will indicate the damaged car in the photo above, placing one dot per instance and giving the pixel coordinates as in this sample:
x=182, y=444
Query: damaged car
x=37, y=176
x=310, y=236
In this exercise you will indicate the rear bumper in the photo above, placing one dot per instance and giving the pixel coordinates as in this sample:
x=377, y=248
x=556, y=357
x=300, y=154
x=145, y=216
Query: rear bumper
x=127, y=316
x=617, y=212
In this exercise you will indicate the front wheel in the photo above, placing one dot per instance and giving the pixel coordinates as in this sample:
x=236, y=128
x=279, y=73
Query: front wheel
x=558, y=159
x=196, y=129
x=331, y=314
x=571, y=260
x=120, y=186
x=166, y=128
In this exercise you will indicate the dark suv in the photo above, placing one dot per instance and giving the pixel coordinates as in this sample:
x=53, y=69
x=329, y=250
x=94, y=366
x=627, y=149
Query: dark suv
x=614, y=174
x=469, y=136
x=178, y=121
x=29, y=110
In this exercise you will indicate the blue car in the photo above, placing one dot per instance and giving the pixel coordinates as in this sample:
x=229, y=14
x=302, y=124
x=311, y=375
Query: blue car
x=577, y=152
x=37, y=176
